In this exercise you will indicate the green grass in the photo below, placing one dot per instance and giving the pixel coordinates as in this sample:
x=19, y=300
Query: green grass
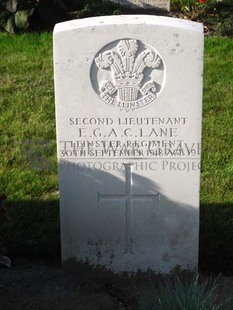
x=217, y=161
x=28, y=169
x=27, y=115
x=179, y=295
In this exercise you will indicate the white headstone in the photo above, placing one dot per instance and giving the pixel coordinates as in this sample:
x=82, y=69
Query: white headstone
x=146, y=4
x=128, y=108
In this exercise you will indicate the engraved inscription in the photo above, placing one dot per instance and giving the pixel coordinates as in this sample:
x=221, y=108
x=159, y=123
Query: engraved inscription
x=127, y=197
x=129, y=74
x=129, y=138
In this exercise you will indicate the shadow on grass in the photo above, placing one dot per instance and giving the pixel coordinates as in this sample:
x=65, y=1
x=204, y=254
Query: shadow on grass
x=216, y=238
x=33, y=232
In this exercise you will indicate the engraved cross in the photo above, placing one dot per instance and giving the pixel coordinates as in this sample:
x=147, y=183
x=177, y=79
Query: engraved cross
x=127, y=197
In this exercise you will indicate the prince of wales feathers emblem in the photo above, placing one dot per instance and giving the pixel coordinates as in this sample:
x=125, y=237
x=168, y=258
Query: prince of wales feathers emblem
x=126, y=90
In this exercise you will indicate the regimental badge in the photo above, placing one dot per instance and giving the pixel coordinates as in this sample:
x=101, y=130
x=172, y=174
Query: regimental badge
x=129, y=74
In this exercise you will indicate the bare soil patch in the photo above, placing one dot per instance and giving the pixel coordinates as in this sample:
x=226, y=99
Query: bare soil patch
x=33, y=287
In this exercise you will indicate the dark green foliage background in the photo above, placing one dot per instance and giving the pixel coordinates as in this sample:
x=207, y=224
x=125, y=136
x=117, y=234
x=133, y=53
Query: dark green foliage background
x=17, y=16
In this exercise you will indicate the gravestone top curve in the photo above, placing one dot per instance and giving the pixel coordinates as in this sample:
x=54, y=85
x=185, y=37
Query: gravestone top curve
x=128, y=19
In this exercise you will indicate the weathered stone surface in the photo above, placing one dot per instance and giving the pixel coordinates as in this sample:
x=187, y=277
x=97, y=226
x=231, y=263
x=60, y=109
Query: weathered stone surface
x=128, y=107
x=146, y=4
